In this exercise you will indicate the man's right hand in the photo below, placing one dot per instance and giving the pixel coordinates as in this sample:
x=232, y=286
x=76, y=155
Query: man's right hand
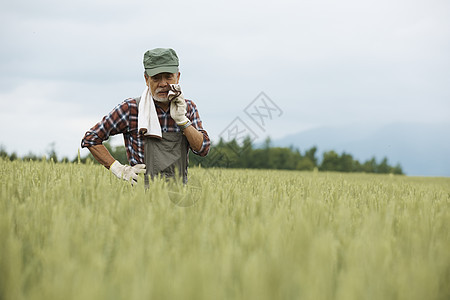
x=126, y=172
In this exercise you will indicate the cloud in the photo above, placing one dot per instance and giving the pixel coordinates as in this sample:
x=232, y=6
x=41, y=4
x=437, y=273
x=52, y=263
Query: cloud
x=324, y=62
x=41, y=112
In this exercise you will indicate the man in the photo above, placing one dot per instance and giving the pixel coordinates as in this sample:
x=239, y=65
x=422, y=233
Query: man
x=158, y=128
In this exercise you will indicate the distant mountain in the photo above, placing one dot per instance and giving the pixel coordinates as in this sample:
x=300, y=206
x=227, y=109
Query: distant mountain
x=421, y=149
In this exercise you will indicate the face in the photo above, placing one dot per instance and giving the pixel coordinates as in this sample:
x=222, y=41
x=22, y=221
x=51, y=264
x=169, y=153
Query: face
x=159, y=85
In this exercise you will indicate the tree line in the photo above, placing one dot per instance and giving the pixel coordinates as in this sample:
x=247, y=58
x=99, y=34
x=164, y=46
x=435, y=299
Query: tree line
x=246, y=156
x=118, y=152
x=234, y=155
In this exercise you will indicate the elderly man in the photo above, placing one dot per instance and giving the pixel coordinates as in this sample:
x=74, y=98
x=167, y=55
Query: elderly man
x=158, y=128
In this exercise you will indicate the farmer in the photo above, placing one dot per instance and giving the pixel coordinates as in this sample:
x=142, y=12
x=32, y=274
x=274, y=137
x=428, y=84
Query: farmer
x=158, y=128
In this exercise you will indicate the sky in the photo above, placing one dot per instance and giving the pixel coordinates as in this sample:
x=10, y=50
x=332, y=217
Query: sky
x=66, y=64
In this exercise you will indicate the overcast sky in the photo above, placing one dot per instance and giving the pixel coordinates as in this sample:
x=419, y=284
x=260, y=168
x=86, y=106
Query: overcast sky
x=65, y=64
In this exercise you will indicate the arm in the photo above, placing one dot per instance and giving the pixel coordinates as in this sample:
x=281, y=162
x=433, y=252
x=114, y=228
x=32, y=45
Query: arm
x=115, y=122
x=184, y=111
x=200, y=143
x=124, y=172
x=194, y=137
x=102, y=155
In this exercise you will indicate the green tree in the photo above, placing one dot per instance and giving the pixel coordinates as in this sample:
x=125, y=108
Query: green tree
x=330, y=161
x=305, y=164
x=383, y=167
x=397, y=170
x=245, y=155
x=311, y=155
x=370, y=166
x=3, y=153
x=119, y=153
x=346, y=163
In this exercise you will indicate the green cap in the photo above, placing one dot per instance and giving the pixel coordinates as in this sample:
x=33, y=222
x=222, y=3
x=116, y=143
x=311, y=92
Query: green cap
x=160, y=60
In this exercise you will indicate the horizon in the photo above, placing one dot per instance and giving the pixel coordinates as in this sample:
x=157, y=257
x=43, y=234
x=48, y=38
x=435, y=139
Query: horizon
x=433, y=167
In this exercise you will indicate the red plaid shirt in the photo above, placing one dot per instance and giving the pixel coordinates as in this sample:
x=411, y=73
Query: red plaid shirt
x=124, y=119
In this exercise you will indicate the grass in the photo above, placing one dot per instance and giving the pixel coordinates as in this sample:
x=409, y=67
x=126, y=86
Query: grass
x=70, y=231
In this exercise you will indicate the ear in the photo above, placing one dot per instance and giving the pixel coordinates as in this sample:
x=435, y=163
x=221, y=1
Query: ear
x=178, y=77
x=146, y=77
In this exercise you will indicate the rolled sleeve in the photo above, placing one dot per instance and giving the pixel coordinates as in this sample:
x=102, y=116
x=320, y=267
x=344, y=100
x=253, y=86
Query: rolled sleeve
x=204, y=150
x=113, y=123
x=194, y=117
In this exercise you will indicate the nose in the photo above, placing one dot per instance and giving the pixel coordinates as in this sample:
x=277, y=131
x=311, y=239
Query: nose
x=162, y=83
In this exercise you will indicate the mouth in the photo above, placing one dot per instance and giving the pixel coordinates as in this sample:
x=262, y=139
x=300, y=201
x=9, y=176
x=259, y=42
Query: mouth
x=162, y=92
x=162, y=95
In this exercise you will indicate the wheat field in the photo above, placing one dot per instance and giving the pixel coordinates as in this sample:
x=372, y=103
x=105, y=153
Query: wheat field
x=74, y=231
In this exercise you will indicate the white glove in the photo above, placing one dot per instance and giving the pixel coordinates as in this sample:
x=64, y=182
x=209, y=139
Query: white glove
x=126, y=172
x=177, y=105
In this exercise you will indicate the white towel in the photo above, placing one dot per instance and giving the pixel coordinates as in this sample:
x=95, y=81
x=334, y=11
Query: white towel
x=148, y=121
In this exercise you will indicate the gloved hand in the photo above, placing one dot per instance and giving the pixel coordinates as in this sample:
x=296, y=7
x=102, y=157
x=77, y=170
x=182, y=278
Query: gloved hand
x=126, y=172
x=177, y=105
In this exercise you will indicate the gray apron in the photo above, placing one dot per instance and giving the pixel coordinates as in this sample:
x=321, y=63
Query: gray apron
x=166, y=157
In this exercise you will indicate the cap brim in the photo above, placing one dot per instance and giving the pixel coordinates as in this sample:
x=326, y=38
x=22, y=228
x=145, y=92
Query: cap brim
x=165, y=69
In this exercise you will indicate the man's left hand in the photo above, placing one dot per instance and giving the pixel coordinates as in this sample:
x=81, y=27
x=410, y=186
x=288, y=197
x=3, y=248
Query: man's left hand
x=178, y=105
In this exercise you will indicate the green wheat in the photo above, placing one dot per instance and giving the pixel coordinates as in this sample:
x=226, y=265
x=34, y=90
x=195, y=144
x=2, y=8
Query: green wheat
x=72, y=231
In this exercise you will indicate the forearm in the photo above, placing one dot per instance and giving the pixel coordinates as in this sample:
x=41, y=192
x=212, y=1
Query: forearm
x=102, y=155
x=194, y=137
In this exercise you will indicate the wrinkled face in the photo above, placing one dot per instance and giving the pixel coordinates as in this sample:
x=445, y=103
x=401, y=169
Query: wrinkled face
x=159, y=85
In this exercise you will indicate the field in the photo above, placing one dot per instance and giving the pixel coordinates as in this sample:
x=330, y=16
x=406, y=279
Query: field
x=70, y=231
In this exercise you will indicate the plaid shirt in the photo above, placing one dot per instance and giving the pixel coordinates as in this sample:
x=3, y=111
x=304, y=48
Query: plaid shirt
x=124, y=119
